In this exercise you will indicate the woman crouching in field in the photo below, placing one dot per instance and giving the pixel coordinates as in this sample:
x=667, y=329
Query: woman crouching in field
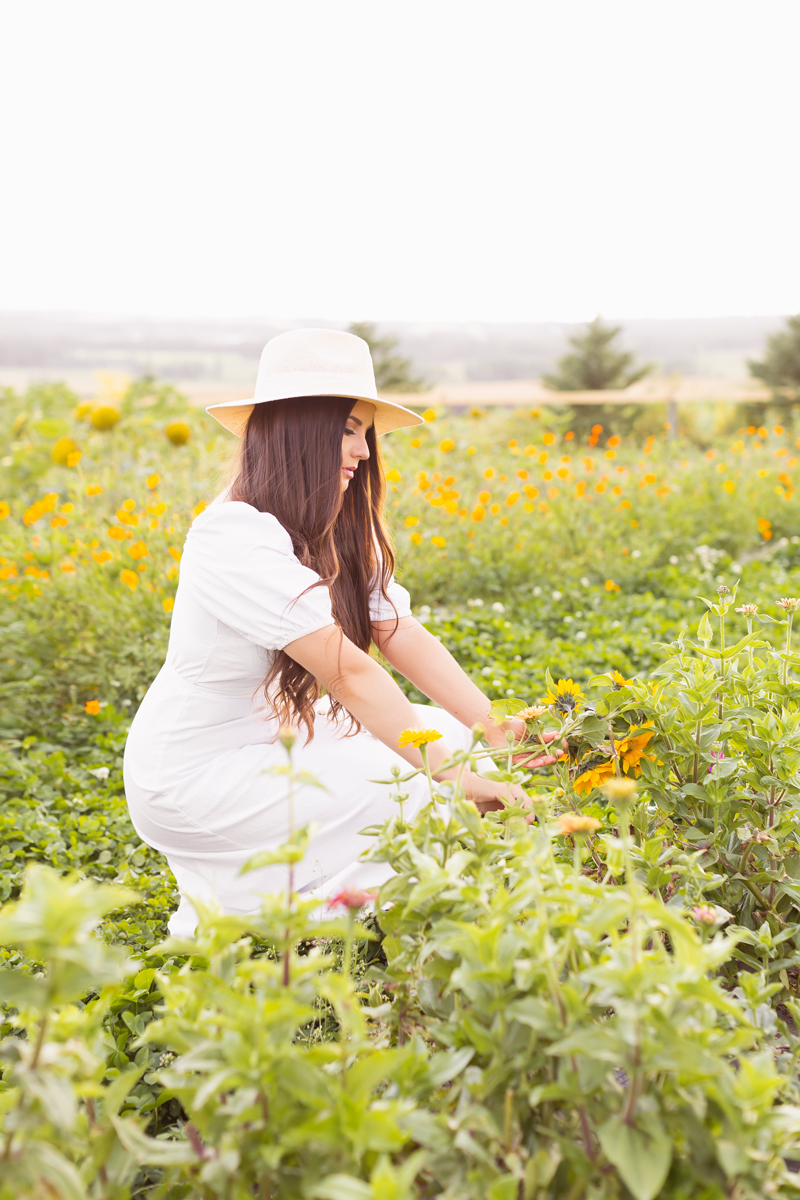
x=286, y=581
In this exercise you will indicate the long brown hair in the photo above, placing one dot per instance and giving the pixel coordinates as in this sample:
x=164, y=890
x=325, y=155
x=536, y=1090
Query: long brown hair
x=290, y=465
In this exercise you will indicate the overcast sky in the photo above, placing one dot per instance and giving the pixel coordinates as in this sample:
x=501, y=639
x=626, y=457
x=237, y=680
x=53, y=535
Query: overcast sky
x=434, y=160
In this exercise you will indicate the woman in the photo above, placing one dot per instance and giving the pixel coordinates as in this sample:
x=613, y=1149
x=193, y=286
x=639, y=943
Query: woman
x=286, y=580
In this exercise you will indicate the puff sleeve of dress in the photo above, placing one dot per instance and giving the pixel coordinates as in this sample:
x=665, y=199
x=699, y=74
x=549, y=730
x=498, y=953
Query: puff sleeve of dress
x=242, y=568
x=380, y=609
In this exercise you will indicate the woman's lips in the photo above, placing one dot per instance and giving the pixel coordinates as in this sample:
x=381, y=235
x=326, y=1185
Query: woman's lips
x=349, y=472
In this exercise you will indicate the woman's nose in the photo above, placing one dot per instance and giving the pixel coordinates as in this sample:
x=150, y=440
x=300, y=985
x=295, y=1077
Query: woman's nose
x=362, y=449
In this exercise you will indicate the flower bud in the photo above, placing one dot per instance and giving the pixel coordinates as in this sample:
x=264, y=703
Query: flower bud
x=620, y=791
x=287, y=736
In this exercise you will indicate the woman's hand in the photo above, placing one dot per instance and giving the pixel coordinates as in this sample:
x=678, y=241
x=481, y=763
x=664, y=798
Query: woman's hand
x=489, y=796
x=533, y=756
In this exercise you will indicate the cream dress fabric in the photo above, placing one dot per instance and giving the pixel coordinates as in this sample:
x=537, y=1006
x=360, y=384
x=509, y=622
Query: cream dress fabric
x=200, y=749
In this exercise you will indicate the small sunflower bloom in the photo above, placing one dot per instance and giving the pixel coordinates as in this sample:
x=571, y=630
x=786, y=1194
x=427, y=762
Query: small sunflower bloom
x=566, y=696
x=418, y=737
x=619, y=680
x=596, y=777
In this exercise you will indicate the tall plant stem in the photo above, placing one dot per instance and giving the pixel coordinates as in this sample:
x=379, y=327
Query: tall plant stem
x=614, y=753
x=785, y=671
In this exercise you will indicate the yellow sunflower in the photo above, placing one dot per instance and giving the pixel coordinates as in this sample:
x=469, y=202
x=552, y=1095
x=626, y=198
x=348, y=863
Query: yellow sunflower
x=567, y=696
x=595, y=777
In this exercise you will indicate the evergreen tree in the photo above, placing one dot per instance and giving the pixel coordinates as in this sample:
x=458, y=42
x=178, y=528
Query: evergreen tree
x=595, y=364
x=392, y=372
x=780, y=367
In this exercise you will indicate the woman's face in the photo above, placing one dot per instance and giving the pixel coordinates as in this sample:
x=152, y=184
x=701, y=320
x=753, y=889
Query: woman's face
x=354, y=439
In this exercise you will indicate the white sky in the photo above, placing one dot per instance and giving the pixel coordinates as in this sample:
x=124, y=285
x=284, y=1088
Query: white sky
x=435, y=160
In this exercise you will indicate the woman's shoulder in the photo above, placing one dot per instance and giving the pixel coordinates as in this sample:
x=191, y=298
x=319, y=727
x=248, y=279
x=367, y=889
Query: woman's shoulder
x=236, y=520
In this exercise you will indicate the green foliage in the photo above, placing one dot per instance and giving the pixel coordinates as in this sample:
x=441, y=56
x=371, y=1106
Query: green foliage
x=393, y=373
x=780, y=366
x=595, y=364
x=549, y=1011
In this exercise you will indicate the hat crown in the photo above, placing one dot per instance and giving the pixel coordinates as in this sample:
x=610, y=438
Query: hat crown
x=316, y=353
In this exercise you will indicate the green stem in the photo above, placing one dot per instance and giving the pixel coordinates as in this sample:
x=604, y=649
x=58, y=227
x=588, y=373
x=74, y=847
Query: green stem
x=785, y=672
x=423, y=753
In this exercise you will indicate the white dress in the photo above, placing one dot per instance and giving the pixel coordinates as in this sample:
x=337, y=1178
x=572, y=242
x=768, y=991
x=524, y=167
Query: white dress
x=200, y=749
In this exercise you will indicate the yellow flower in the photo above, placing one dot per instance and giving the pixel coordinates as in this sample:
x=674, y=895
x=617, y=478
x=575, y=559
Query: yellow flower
x=631, y=749
x=198, y=508
x=130, y=578
x=94, y=489
x=92, y=707
x=153, y=481
x=567, y=697
x=118, y=534
x=127, y=518
x=418, y=737
x=411, y=521
x=178, y=433
x=138, y=550
x=595, y=777
x=447, y=445
x=62, y=450
x=478, y=512
x=101, y=556
x=394, y=475
x=730, y=486
x=4, y=510
x=73, y=458
x=618, y=679
x=439, y=541
x=416, y=538
x=512, y=498
x=168, y=604
x=577, y=823
x=429, y=415
x=548, y=439
x=105, y=417
x=610, y=586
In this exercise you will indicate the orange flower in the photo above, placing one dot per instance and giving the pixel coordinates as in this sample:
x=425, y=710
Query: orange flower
x=577, y=823
x=138, y=550
x=130, y=578
x=4, y=510
x=92, y=707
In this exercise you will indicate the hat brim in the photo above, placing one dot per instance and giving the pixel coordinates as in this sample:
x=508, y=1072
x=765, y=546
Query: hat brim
x=234, y=414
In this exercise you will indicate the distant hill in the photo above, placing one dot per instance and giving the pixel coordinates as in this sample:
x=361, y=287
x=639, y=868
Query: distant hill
x=225, y=352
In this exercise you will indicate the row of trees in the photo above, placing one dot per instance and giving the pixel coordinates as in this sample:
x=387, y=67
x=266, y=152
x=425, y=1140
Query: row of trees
x=597, y=363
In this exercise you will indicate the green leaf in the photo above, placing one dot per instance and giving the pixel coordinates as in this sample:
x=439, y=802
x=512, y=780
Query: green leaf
x=293, y=851
x=20, y=990
x=641, y=1153
x=340, y=1187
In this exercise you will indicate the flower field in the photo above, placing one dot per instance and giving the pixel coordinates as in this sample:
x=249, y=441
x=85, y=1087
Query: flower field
x=603, y=1004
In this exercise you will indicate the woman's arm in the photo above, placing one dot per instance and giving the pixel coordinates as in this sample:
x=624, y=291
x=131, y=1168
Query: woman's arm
x=368, y=692
x=425, y=662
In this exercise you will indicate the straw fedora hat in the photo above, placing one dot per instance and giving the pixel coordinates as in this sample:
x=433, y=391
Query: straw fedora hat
x=315, y=362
